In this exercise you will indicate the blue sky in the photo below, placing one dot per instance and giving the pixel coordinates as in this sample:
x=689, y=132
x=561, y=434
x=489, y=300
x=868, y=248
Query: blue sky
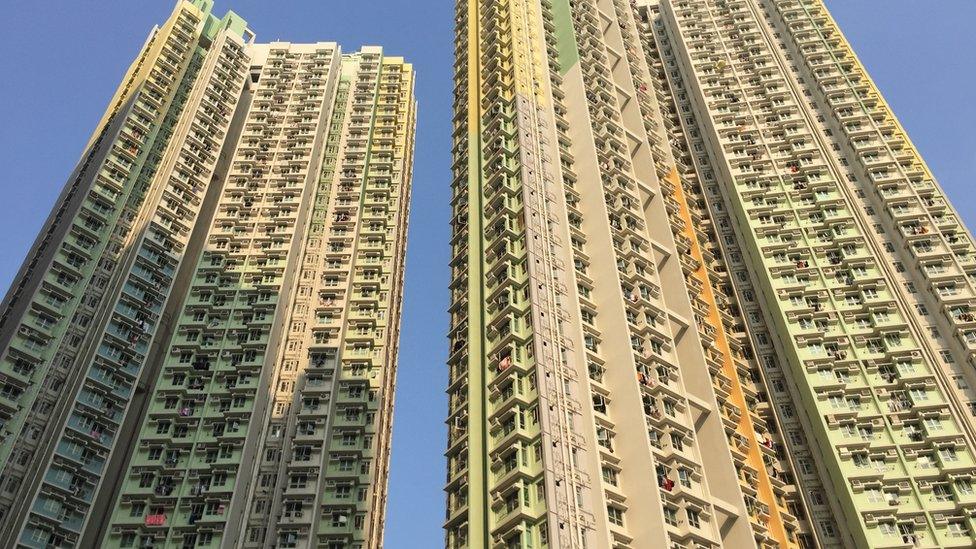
x=62, y=61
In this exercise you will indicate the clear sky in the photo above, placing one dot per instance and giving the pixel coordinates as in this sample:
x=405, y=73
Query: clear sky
x=62, y=61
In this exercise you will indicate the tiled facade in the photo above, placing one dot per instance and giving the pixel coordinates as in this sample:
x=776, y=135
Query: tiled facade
x=705, y=292
x=201, y=348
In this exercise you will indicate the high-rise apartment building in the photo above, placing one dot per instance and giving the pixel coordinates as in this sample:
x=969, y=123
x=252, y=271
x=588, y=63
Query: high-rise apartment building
x=200, y=349
x=705, y=292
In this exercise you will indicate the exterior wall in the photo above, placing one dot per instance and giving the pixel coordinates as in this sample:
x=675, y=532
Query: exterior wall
x=518, y=440
x=656, y=361
x=785, y=452
x=765, y=280
x=913, y=225
x=73, y=364
x=890, y=429
x=212, y=310
x=270, y=422
x=342, y=343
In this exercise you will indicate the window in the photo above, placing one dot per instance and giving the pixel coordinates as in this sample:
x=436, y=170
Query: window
x=941, y=492
x=146, y=480
x=905, y=368
x=806, y=467
x=957, y=529
x=816, y=496
x=694, y=518
x=919, y=394
x=948, y=454
x=297, y=481
x=615, y=515
x=676, y=442
x=671, y=516
x=887, y=529
x=669, y=407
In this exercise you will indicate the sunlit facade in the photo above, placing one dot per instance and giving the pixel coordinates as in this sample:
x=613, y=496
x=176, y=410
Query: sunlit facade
x=201, y=347
x=705, y=292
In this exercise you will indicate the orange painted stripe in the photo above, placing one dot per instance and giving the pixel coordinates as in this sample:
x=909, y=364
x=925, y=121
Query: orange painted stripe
x=764, y=487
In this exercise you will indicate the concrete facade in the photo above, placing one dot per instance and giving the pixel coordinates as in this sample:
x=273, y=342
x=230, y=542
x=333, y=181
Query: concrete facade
x=705, y=291
x=201, y=347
